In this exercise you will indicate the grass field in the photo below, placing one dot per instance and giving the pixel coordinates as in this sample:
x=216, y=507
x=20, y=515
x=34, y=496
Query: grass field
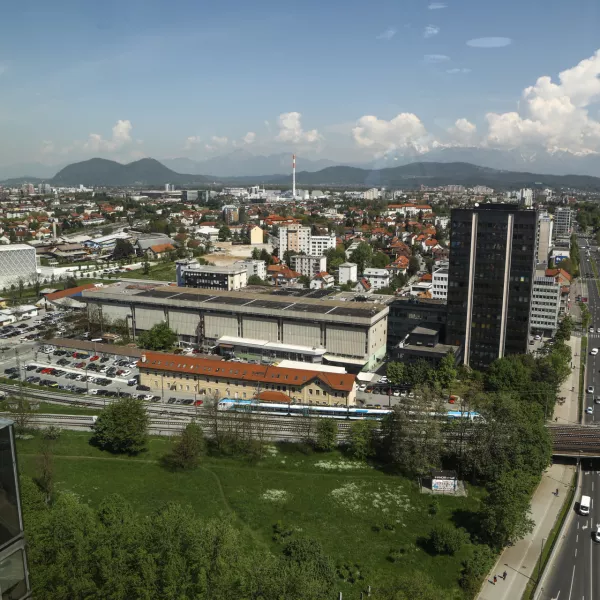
x=162, y=272
x=359, y=514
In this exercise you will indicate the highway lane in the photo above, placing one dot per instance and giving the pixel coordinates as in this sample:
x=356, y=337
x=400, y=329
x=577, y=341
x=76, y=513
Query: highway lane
x=575, y=571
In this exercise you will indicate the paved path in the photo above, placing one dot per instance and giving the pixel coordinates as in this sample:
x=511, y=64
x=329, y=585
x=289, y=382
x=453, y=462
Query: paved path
x=519, y=560
x=567, y=412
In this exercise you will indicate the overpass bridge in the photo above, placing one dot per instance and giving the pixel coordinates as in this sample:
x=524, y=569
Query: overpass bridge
x=575, y=440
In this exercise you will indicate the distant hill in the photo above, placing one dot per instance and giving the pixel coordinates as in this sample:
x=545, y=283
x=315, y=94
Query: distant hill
x=108, y=173
x=436, y=174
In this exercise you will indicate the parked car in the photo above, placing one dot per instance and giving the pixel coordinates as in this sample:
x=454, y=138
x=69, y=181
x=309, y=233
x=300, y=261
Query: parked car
x=142, y=388
x=95, y=357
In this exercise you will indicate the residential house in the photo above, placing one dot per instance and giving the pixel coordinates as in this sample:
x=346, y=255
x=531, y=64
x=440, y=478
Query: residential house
x=159, y=250
x=322, y=281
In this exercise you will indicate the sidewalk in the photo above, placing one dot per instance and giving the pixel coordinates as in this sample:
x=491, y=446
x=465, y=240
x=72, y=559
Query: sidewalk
x=519, y=560
x=567, y=412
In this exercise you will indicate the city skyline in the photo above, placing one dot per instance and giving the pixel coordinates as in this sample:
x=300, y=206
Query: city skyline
x=136, y=79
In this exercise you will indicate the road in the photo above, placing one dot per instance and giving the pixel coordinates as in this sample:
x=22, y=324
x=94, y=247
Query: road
x=574, y=573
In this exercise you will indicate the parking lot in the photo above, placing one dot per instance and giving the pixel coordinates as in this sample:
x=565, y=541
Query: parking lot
x=102, y=374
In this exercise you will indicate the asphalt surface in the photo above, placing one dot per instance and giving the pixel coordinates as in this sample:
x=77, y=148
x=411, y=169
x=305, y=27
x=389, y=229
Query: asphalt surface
x=575, y=572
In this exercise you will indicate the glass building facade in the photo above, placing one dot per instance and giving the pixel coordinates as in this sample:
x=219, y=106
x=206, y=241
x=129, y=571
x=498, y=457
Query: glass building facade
x=14, y=577
x=490, y=279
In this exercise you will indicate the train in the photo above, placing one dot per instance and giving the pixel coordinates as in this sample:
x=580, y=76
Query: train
x=333, y=412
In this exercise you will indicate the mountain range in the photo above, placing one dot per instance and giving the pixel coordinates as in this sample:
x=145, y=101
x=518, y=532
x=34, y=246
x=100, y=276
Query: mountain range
x=242, y=163
x=148, y=172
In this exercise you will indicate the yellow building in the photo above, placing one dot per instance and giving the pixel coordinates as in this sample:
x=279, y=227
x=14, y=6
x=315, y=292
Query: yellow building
x=226, y=379
x=256, y=235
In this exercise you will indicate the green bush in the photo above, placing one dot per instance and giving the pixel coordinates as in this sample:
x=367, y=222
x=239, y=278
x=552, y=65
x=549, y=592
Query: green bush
x=445, y=539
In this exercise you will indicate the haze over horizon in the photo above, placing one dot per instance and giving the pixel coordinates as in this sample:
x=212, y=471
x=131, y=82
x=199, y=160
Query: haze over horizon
x=384, y=86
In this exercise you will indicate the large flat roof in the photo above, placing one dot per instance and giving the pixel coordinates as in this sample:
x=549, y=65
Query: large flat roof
x=239, y=301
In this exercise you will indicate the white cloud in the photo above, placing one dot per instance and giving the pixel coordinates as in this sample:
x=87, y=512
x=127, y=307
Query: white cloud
x=436, y=58
x=430, y=31
x=404, y=130
x=249, y=138
x=437, y=5
x=489, y=42
x=457, y=70
x=290, y=130
x=121, y=136
x=191, y=142
x=216, y=143
x=48, y=147
x=554, y=115
x=463, y=133
x=388, y=34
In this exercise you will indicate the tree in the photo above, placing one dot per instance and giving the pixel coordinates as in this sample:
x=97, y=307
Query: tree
x=224, y=233
x=446, y=539
x=504, y=517
x=565, y=329
x=123, y=249
x=146, y=266
x=255, y=254
x=411, y=436
x=70, y=282
x=475, y=567
x=413, y=265
x=287, y=257
x=106, y=230
x=396, y=373
x=446, y=371
x=326, y=434
x=361, y=442
x=380, y=260
x=188, y=448
x=160, y=337
x=256, y=280
x=46, y=478
x=122, y=427
x=362, y=255
x=304, y=280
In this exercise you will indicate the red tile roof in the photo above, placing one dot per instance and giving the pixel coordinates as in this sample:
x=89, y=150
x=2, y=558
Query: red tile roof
x=272, y=396
x=69, y=292
x=162, y=248
x=242, y=371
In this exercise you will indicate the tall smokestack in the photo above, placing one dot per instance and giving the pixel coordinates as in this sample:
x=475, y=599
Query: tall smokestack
x=293, y=175
x=54, y=230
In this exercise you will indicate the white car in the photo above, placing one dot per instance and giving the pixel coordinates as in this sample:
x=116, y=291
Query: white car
x=148, y=397
x=362, y=387
x=397, y=393
x=125, y=373
x=537, y=337
x=596, y=534
x=589, y=410
x=590, y=389
x=594, y=351
x=93, y=392
x=591, y=330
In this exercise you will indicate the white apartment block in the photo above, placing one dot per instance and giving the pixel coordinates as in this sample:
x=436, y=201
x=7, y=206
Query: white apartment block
x=439, y=280
x=378, y=278
x=308, y=265
x=347, y=272
x=526, y=197
x=253, y=267
x=545, y=304
x=297, y=238
x=372, y=194
x=544, y=244
x=563, y=222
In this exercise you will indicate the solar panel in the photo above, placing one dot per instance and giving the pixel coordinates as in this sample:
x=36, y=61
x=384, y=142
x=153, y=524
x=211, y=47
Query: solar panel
x=310, y=308
x=342, y=311
x=157, y=294
x=267, y=304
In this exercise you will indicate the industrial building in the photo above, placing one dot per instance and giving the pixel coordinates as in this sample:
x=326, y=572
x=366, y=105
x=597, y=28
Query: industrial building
x=161, y=372
x=490, y=279
x=192, y=274
x=17, y=263
x=352, y=333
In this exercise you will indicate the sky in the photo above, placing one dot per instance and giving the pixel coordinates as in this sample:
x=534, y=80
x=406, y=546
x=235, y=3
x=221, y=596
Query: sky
x=343, y=80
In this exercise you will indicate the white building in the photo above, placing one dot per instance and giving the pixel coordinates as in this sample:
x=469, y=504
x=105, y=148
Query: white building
x=544, y=243
x=378, y=278
x=192, y=274
x=526, y=197
x=545, y=304
x=372, y=194
x=347, y=272
x=308, y=265
x=322, y=281
x=254, y=267
x=297, y=238
x=439, y=282
x=17, y=262
x=563, y=222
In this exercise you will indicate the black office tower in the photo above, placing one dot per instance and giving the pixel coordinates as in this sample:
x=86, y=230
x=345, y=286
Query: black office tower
x=492, y=265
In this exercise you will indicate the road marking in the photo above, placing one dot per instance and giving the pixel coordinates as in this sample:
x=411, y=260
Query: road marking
x=592, y=486
x=575, y=552
x=577, y=540
x=591, y=570
x=572, y=578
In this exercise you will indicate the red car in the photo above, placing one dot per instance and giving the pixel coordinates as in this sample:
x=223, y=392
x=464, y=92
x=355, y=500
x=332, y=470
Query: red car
x=47, y=371
x=198, y=403
x=80, y=365
x=94, y=358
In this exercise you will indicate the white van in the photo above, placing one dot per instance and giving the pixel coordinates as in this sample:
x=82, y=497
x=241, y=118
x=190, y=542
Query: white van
x=584, y=505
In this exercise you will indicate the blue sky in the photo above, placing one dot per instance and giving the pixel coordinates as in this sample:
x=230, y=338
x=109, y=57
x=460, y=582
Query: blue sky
x=155, y=78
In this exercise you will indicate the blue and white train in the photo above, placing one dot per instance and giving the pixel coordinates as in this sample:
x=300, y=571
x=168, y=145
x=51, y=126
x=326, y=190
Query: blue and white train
x=335, y=412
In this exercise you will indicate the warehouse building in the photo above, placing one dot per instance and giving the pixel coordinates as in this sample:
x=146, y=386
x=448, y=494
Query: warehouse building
x=18, y=262
x=352, y=333
x=226, y=379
